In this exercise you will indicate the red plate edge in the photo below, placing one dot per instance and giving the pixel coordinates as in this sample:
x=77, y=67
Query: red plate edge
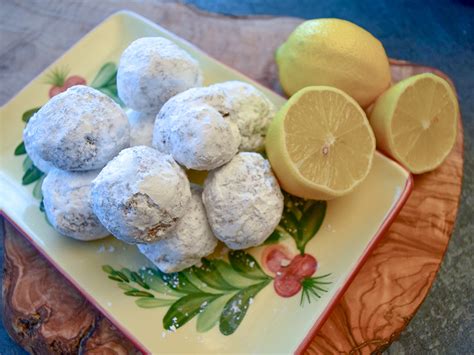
x=373, y=243
x=320, y=321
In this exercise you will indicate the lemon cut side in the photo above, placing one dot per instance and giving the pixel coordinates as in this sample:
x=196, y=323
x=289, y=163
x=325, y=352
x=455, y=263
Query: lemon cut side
x=415, y=121
x=320, y=144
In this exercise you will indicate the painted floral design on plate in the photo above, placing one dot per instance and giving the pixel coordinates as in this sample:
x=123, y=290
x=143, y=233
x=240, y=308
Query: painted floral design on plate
x=221, y=290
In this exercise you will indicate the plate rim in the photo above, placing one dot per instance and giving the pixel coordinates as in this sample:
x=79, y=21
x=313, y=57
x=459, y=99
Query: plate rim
x=378, y=236
x=387, y=222
x=375, y=239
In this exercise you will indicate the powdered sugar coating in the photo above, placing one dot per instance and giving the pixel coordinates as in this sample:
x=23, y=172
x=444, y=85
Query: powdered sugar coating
x=67, y=203
x=197, y=136
x=41, y=164
x=140, y=195
x=243, y=201
x=152, y=70
x=184, y=246
x=250, y=110
x=245, y=115
x=141, y=128
x=79, y=129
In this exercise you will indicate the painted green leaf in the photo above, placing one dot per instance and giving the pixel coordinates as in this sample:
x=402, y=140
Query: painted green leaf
x=138, y=279
x=120, y=275
x=107, y=92
x=186, y=308
x=125, y=286
x=246, y=264
x=235, y=309
x=205, y=288
x=307, y=204
x=28, y=114
x=148, y=302
x=126, y=272
x=27, y=163
x=274, y=237
x=20, y=149
x=57, y=76
x=289, y=223
x=31, y=175
x=179, y=282
x=113, y=87
x=153, y=279
x=37, y=193
x=294, y=205
x=105, y=75
x=210, y=316
x=112, y=81
x=112, y=94
x=137, y=293
x=230, y=275
x=309, y=224
x=115, y=278
x=208, y=274
x=107, y=269
x=312, y=287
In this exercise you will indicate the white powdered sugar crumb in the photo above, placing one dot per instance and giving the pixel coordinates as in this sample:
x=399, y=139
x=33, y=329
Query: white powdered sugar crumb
x=285, y=262
x=101, y=249
x=111, y=249
x=185, y=245
x=243, y=201
x=330, y=228
x=398, y=192
x=80, y=129
x=140, y=195
x=152, y=70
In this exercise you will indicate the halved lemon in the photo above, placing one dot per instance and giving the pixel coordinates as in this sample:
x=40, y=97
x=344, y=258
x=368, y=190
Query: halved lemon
x=415, y=121
x=320, y=144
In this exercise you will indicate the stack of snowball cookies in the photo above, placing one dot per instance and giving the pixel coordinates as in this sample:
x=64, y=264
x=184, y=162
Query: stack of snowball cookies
x=109, y=172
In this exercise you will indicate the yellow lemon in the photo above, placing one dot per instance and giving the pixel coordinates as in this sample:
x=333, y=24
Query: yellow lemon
x=336, y=53
x=415, y=121
x=320, y=144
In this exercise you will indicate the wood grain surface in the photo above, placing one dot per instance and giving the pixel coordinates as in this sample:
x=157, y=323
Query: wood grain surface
x=44, y=313
x=377, y=306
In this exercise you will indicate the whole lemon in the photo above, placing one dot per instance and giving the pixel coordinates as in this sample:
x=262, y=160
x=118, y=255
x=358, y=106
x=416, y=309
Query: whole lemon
x=336, y=53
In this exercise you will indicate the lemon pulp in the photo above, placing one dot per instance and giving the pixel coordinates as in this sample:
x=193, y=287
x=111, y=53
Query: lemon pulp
x=415, y=121
x=320, y=144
